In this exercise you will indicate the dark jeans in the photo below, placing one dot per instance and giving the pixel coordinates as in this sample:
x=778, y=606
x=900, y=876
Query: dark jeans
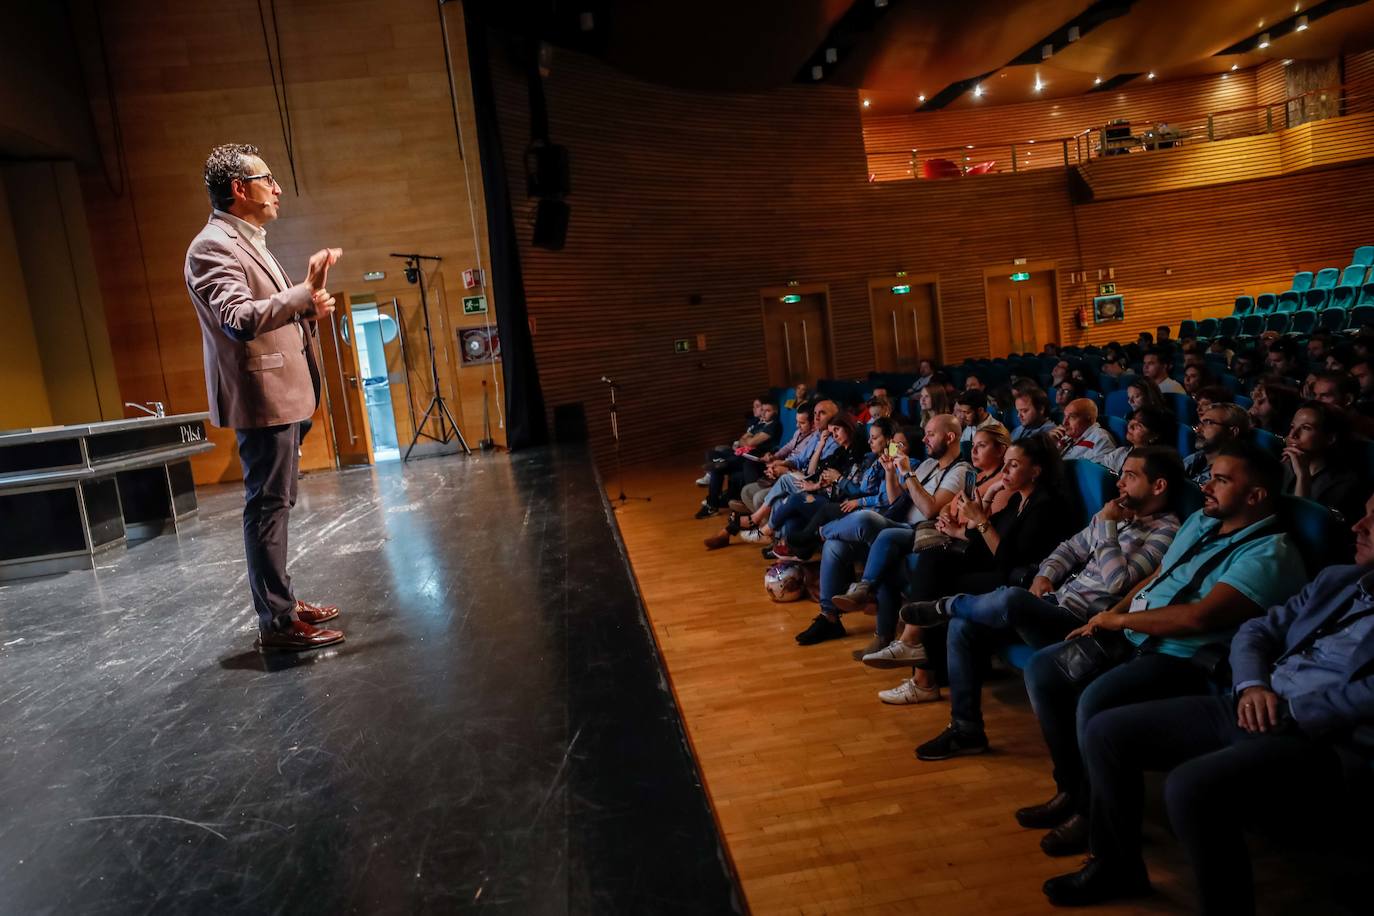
x=1223, y=779
x=1064, y=710
x=728, y=474
x=794, y=513
x=271, y=466
x=980, y=623
x=805, y=539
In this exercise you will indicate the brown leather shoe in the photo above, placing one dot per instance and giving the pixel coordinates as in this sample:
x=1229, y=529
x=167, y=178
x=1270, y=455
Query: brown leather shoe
x=299, y=637
x=315, y=614
x=718, y=540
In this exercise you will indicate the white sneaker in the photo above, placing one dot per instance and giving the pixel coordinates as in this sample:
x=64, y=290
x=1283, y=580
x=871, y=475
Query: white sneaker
x=897, y=654
x=704, y=480
x=908, y=692
x=754, y=536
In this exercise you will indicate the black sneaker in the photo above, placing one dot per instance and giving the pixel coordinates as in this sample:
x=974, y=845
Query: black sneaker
x=821, y=629
x=732, y=524
x=706, y=511
x=952, y=743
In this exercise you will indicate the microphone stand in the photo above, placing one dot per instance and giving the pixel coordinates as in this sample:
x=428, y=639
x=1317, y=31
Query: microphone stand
x=437, y=406
x=621, y=499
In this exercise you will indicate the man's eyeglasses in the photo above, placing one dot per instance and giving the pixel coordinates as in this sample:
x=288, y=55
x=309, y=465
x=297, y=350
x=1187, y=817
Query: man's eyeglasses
x=265, y=176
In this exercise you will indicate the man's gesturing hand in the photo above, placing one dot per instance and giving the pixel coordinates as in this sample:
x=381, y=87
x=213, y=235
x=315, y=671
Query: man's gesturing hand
x=318, y=272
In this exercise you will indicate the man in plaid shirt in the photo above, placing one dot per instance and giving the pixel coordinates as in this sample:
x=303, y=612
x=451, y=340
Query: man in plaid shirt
x=1086, y=574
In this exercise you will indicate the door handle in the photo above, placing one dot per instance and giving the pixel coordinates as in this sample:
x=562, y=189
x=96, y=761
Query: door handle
x=916, y=333
x=1035, y=320
x=787, y=349
x=1011, y=326
x=806, y=348
x=896, y=340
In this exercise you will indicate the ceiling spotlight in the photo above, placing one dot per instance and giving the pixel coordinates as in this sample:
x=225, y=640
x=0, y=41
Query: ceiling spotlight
x=978, y=91
x=1046, y=52
x=1224, y=75
x=970, y=146
x=1097, y=81
x=1235, y=66
x=1038, y=85
x=880, y=4
x=1030, y=141
x=1263, y=40
x=1150, y=75
x=1302, y=24
x=1074, y=33
x=921, y=97
x=831, y=55
x=817, y=72
x=867, y=102
x=1288, y=61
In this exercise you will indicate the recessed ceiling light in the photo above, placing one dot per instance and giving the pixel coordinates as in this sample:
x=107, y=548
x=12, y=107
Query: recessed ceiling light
x=1046, y=52
x=1074, y=33
x=970, y=146
x=1235, y=66
x=921, y=97
x=1302, y=24
x=978, y=90
x=831, y=55
x=1263, y=40
x=817, y=72
x=1223, y=76
x=1038, y=85
x=1030, y=141
x=1288, y=61
x=1097, y=81
x=867, y=102
x=1150, y=75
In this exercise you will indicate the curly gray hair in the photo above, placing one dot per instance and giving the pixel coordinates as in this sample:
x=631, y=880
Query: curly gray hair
x=226, y=162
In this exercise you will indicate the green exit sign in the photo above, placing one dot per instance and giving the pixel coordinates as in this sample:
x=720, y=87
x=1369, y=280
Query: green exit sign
x=474, y=305
x=1019, y=276
x=901, y=289
x=682, y=345
x=791, y=299
x=1106, y=289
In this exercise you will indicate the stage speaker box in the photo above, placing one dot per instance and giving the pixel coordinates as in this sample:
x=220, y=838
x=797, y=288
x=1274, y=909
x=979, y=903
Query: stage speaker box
x=547, y=173
x=551, y=225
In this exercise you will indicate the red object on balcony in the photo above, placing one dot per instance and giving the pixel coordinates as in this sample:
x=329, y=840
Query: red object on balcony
x=940, y=168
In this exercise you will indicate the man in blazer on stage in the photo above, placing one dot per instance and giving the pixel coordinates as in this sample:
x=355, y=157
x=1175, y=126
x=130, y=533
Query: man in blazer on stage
x=261, y=375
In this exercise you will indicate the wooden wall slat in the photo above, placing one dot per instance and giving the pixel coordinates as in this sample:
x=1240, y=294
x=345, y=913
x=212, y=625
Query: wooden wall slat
x=678, y=194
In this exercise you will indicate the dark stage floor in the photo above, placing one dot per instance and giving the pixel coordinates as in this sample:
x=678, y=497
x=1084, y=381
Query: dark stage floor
x=495, y=734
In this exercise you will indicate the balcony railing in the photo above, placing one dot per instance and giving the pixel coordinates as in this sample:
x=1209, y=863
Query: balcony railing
x=1139, y=135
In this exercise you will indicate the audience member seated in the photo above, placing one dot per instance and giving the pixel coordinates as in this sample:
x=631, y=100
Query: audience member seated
x=925, y=372
x=934, y=402
x=972, y=410
x=802, y=396
x=1209, y=395
x=1318, y=349
x=880, y=405
x=1142, y=392
x=1081, y=436
x=1272, y=405
x=741, y=464
x=916, y=495
x=1059, y=373
x=1316, y=460
x=1086, y=574
x=1146, y=426
x=1246, y=367
x=1220, y=426
x=1114, y=366
x=1363, y=374
x=1339, y=390
x=1229, y=561
x=973, y=383
x=987, y=549
x=798, y=519
x=1195, y=379
x=1065, y=393
x=884, y=581
x=1156, y=364
x=823, y=463
x=1281, y=361
x=1272, y=750
x=1032, y=409
x=752, y=494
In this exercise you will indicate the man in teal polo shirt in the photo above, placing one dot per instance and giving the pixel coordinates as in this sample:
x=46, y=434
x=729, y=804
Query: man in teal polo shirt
x=1228, y=562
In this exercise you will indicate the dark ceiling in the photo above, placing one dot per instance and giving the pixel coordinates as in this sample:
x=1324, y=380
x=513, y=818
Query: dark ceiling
x=898, y=50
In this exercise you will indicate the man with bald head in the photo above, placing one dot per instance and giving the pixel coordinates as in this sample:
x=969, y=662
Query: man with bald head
x=914, y=496
x=1081, y=436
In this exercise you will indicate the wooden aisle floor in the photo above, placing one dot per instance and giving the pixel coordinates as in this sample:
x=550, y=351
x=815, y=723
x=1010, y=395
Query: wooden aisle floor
x=822, y=804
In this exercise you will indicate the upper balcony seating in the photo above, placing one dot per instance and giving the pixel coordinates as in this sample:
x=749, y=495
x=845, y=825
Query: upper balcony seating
x=1316, y=297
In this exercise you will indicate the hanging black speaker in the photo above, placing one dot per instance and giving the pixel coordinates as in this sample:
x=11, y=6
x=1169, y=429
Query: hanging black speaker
x=551, y=225
x=546, y=170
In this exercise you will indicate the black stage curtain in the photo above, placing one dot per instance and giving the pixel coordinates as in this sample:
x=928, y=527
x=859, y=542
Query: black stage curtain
x=526, y=423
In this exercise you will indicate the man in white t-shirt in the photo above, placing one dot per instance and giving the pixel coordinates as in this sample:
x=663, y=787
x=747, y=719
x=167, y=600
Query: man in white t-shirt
x=1157, y=363
x=915, y=496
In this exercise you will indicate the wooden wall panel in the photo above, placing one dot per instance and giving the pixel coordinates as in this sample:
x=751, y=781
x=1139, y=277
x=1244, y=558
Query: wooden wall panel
x=1357, y=73
x=678, y=195
x=376, y=158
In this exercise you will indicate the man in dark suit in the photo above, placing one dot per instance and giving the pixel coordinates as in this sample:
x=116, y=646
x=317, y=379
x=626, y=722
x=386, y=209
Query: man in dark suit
x=261, y=375
x=1277, y=747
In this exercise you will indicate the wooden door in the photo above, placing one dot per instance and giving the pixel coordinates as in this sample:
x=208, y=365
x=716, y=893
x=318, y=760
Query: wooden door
x=1004, y=317
x=1039, y=314
x=905, y=324
x=344, y=387
x=796, y=339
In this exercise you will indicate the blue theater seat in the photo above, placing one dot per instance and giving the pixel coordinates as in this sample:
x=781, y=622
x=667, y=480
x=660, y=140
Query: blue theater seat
x=1117, y=427
x=1279, y=321
x=1228, y=326
x=1183, y=407
x=1266, y=302
x=1185, y=439
x=1118, y=403
x=1334, y=317
x=1244, y=305
x=1325, y=281
x=1302, y=282
x=1323, y=537
x=1361, y=316
x=1364, y=256
x=1268, y=440
x=1188, y=500
x=1187, y=328
x=1207, y=328
x=1304, y=320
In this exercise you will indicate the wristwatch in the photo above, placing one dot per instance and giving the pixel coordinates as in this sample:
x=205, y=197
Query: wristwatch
x=983, y=528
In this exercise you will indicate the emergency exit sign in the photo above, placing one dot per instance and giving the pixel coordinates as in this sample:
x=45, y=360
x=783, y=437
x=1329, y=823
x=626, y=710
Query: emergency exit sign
x=474, y=305
x=1106, y=289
